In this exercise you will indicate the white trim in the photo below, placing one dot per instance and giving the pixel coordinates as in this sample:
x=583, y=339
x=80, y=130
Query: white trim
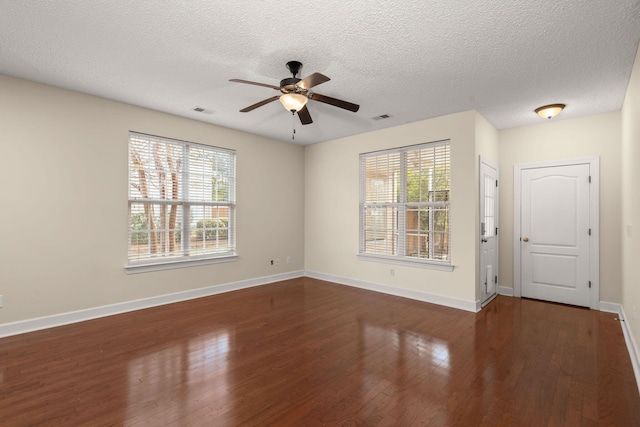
x=30, y=325
x=483, y=161
x=420, y=263
x=631, y=346
x=491, y=298
x=181, y=263
x=610, y=307
x=594, y=218
x=460, y=304
x=505, y=290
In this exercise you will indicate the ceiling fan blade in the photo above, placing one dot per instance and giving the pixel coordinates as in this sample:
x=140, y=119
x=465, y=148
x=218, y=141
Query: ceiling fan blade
x=305, y=117
x=335, y=102
x=313, y=80
x=254, y=83
x=259, y=104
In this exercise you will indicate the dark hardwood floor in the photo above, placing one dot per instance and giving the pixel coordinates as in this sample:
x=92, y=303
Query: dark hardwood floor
x=305, y=352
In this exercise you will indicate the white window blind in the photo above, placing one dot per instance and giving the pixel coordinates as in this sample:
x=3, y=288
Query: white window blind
x=405, y=204
x=181, y=200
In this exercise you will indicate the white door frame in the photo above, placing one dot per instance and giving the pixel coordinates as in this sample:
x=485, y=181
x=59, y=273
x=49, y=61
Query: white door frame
x=594, y=218
x=497, y=219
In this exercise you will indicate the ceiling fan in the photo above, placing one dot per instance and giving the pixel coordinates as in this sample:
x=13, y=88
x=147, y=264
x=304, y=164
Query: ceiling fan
x=295, y=93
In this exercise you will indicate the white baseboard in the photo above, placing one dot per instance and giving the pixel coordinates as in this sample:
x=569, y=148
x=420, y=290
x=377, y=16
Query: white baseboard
x=632, y=348
x=631, y=345
x=610, y=307
x=506, y=291
x=30, y=325
x=473, y=306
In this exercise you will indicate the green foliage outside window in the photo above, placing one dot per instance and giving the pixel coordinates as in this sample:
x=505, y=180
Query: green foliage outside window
x=208, y=228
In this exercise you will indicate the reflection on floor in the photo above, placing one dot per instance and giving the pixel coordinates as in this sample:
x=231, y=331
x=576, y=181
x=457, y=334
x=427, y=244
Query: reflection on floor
x=307, y=352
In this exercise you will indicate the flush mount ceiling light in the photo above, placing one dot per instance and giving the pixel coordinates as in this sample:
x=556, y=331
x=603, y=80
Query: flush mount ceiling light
x=549, y=111
x=293, y=101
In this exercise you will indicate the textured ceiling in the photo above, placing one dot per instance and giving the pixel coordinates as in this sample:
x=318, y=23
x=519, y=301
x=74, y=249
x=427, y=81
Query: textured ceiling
x=411, y=60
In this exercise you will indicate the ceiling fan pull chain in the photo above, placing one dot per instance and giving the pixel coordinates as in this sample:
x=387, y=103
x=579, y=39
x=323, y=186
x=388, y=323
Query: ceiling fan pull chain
x=293, y=116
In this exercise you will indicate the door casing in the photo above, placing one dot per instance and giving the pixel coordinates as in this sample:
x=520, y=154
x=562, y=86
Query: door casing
x=594, y=215
x=482, y=265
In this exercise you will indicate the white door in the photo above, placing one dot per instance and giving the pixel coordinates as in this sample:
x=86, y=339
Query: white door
x=555, y=233
x=488, y=231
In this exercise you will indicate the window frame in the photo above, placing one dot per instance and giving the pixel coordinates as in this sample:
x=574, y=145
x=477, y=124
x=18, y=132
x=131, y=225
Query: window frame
x=185, y=202
x=399, y=226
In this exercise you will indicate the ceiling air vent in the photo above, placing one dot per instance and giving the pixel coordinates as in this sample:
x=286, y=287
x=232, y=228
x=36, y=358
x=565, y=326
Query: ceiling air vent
x=381, y=117
x=202, y=110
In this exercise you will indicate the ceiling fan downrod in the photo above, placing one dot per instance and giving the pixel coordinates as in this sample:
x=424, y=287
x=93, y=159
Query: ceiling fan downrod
x=294, y=67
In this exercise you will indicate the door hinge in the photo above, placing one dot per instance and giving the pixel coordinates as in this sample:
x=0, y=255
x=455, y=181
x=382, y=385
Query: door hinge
x=496, y=280
x=589, y=179
x=496, y=231
x=589, y=284
x=496, y=182
x=589, y=232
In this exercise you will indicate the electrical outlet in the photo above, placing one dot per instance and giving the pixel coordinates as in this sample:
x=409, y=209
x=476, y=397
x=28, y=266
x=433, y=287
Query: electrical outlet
x=271, y=262
x=288, y=260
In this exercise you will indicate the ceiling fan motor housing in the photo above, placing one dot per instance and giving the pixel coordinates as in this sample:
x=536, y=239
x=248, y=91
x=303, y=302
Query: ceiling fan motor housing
x=288, y=85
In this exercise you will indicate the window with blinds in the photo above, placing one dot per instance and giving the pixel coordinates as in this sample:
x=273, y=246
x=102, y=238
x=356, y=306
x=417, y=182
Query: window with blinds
x=404, y=203
x=181, y=200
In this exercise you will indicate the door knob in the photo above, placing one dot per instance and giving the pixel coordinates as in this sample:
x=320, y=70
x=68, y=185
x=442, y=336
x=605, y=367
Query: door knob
x=525, y=239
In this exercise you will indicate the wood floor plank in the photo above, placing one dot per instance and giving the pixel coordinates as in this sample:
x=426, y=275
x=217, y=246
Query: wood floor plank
x=308, y=352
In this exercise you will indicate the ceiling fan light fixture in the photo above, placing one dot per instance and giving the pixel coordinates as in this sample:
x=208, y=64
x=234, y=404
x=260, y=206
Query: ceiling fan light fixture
x=293, y=101
x=549, y=111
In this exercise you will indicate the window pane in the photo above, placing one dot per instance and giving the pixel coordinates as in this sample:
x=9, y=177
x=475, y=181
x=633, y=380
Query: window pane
x=419, y=177
x=417, y=236
x=417, y=218
x=440, y=219
x=427, y=174
x=155, y=169
x=209, y=229
x=155, y=230
x=417, y=245
x=210, y=175
x=381, y=230
x=441, y=246
x=489, y=214
x=382, y=178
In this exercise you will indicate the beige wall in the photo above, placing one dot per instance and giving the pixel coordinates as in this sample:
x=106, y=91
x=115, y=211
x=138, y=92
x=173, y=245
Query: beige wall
x=486, y=141
x=631, y=202
x=65, y=189
x=63, y=222
x=597, y=135
x=331, y=207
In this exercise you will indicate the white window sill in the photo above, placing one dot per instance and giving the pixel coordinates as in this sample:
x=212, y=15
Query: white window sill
x=431, y=265
x=181, y=263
